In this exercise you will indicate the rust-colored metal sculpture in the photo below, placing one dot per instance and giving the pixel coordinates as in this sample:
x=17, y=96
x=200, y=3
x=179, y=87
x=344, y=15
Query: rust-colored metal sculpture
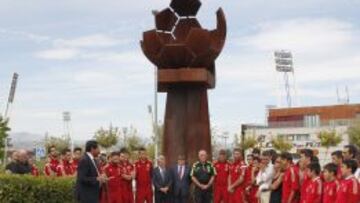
x=185, y=54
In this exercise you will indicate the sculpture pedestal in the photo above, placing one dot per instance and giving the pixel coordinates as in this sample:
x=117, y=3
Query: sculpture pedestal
x=187, y=125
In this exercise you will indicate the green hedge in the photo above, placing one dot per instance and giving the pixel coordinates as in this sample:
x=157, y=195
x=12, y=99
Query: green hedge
x=29, y=189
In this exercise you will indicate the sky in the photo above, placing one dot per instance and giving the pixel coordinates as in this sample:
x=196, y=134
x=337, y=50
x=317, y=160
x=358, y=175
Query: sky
x=84, y=56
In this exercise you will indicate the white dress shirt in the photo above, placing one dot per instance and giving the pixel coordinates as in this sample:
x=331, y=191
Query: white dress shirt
x=93, y=161
x=264, y=177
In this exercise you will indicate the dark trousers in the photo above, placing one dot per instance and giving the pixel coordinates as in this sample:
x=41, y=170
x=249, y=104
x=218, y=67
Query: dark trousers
x=180, y=196
x=202, y=196
x=180, y=199
x=162, y=197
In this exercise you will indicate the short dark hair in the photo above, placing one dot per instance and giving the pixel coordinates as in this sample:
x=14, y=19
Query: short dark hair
x=64, y=151
x=352, y=164
x=141, y=149
x=331, y=167
x=286, y=156
x=274, y=155
x=222, y=152
x=238, y=150
x=337, y=154
x=266, y=153
x=314, y=167
x=114, y=154
x=91, y=144
x=315, y=159
x=256, y=159
x=50, y=147
x=353, y=150
x=124, y=150
x=256, y=151
x=307, y=153
x=77, y=149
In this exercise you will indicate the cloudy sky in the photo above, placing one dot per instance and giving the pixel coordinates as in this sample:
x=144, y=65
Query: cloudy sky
x=84, y=56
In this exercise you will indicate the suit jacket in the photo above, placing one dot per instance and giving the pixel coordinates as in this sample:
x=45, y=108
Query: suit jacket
x=160, y=181
x=87, y=187
x=181, y=187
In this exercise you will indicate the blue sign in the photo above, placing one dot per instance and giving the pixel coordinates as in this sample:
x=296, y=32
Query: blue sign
x=40, y=152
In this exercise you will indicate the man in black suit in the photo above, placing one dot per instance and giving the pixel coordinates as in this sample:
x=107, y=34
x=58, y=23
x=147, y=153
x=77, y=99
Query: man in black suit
x=181, y=181
x=162, y=181
x=88, y=179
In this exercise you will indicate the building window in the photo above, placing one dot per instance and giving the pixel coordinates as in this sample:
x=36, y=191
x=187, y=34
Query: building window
x=312, y=121
x=302, y=137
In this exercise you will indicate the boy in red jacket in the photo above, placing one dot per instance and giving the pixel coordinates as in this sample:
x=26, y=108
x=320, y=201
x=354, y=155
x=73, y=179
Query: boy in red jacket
x=290, y=186
x=313, y=192
x=331, y=184
x=349, y=190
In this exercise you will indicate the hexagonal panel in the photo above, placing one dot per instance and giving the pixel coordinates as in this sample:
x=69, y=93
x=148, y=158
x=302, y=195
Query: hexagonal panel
x=183, y=28
x=165, y=20
x=175, y=56
x=185, y=7
x=152, y=44
x=198, y=40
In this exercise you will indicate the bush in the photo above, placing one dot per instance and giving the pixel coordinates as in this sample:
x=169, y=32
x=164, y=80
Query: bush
x=29, y=189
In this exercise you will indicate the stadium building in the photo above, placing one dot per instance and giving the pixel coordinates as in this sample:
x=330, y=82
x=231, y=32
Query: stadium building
x=302, y=125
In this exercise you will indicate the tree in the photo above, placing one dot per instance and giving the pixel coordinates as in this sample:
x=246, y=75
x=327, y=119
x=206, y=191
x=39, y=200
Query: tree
x=4, y=133
x=60, y=143
x=107, y=137
x=134, y=143
x=329, y=139
x=248, y=143
x=279, y=143
x=354, y=134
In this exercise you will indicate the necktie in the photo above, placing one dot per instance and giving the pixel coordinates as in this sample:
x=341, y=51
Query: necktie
x=161, y=173
x=181, y=172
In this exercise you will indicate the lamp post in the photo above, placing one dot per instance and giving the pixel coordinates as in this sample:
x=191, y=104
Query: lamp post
x=8, y=105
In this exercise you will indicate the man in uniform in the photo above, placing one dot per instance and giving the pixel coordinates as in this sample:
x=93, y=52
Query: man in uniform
x=77, y=153
x=65, y=168
x=236, y=178
x=349, y=190
x=202, y=174
x=290, y=185
x=221, y=178
x=304, y=176
x=314, y=190
x=127, y=174
x=112, y=191
x=143, y=177
x=337, y=158
x=53, y=162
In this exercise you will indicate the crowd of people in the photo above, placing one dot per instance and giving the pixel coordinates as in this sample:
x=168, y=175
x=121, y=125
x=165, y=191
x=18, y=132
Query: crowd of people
x=263, y=177
x=63, y=164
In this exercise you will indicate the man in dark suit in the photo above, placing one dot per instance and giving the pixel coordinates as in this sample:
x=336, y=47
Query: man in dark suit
x=88, y=179
x=162, y=181
x=181, y=181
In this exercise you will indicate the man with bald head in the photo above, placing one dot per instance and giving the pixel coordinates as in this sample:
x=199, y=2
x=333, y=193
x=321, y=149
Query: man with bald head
x=202, y=175
x=21, y=166
x=14, y=159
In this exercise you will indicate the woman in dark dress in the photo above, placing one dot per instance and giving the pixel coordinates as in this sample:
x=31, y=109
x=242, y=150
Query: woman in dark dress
x=276, y=186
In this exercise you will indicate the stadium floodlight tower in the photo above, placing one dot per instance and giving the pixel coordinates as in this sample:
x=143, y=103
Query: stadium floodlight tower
x=67, y=128
x=284, y=65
